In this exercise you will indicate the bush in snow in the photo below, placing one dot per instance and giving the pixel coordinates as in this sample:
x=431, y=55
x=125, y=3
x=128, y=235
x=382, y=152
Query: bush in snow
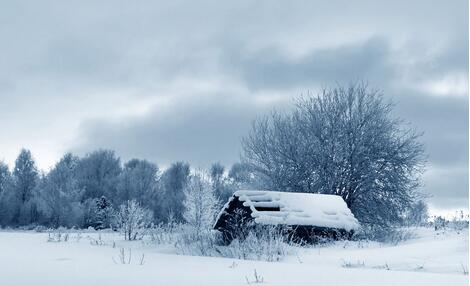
x=386, y=234
x=199, y=242
x=238, y=225
x=356, y=264
x=458, y=223
x=132, y=219
x=265, y=243
x=417, y=215
x=166, y=233
x=58, y=235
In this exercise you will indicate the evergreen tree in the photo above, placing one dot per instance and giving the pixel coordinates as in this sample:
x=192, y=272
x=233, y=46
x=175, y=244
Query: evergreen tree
x=99, y=213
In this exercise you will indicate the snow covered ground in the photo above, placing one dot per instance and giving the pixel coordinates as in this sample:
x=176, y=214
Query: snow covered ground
x=26, y=258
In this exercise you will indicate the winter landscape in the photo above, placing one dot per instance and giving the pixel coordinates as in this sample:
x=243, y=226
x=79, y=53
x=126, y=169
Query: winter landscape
x=234, y=143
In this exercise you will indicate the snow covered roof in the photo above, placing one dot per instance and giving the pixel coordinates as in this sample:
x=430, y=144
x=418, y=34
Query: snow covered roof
x=273, y=208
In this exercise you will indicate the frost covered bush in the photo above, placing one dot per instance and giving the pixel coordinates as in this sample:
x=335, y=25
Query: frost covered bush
x=164, y=233
x=96, y=241
x=350, y=264
x=267, y=243
x=132, y=219
x=40, y=228
x=58, y=235
x=439, y=223
x=260, y=243
x=457, y=223
x=198, y=242
x=393, y=235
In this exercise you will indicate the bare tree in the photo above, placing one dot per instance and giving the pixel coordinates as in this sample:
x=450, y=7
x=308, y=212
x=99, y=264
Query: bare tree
x=132, y=219
x=97, y=174
x=138, y=180
x=26, y=177
x=173, y=181
x=418, y=213
x=217, y=178
x=222, y=185
x=59, y=196
x=200, y=202
x=243, y=176
x=7, y=195
x=344, y=141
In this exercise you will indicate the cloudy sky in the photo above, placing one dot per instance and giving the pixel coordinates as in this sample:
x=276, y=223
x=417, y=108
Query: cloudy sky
x=180, y=80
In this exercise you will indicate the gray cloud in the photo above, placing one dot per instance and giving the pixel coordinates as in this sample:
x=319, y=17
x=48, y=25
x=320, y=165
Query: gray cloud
x=201, y=132
x=447, y=187
x=443, y=122
x=270, y=69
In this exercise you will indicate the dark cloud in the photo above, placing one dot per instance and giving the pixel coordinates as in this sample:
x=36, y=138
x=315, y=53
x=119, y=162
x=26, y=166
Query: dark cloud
x=444, y=122
x=448, y=187
x=271, y=69
x=200, y=132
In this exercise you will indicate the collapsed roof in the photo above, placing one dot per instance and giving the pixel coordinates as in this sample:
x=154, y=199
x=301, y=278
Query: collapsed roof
x=284, y=208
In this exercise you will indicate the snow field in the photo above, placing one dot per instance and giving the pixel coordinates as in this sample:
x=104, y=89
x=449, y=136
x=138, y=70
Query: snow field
x=27, y=258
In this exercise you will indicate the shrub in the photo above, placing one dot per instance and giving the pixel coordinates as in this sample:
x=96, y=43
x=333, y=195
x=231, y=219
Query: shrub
x=194, y=241
x=164, y=233
x=385, y=234
x=132, y=219
x=266, y=243
x=261, y=243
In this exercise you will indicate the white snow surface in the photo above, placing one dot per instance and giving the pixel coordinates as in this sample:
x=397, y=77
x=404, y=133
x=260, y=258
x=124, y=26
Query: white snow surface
x=298, y=209
x=433, y=258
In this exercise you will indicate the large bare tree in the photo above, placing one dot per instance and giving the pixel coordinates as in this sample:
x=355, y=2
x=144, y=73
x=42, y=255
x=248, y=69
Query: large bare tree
x=344, y=141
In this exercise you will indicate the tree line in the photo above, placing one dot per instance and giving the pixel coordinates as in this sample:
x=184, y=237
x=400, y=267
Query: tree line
x=86, y=192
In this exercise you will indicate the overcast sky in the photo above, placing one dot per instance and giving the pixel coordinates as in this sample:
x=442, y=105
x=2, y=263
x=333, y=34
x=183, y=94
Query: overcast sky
x=180, y=80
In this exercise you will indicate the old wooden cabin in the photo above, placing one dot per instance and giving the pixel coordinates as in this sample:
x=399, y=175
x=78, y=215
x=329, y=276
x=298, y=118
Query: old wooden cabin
x=305, y=217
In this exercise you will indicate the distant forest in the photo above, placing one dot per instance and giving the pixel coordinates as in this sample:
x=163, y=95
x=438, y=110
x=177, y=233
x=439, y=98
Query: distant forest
x=343, y=141
x=84, y=192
